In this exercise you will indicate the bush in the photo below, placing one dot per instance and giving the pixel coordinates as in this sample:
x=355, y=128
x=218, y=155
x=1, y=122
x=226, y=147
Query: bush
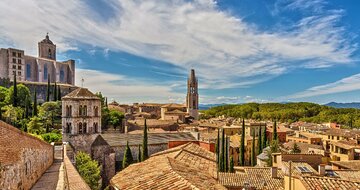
x=52, y=137
x=88, y=169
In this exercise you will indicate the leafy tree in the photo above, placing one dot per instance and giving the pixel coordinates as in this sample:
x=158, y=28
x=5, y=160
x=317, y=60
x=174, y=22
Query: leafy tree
x=21, y=93
x=259, y=143
x=88, y=169
x=50, y=114
x=231, y=170
x=51, y=137
x=128, y=159
x=3, y=94
x=295, y=149
x=274, y=135
x=27, y=107
x=48, y=89
x=35, y=109
x=35, y=126
x=145, y=153
x=13, y=114
x=253, y=158
x=242, y=145
x=115, y=118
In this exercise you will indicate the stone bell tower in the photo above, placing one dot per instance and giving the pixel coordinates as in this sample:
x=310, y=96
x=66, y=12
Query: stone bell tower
x=192, y=98
x=47, y=49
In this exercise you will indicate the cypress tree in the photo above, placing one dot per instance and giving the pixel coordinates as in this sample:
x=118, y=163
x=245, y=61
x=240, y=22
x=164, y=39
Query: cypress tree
x=145, y=154
x=128, y=159
x=0, y=112
x=253, y=159
x=15, y=95
x=259, y=144
x=59, y=93
x=226, y=155
x=242, y=145
x=139, y=154
x=106, y=102
x=274, y=135
x=231, y=169
x=27, y=107
x=222, y=151
x=35, y=104
x=264, y=138
x=55, y=92
x=217, y=148
x=48, y=89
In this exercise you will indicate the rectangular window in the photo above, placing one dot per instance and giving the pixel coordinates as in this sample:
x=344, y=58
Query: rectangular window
x=19, y=54
x=19, y=73
x=14, y=66
x=19, y=61
x=14, y=60
x=28, y=71
x=14, y=54
x=19, y=67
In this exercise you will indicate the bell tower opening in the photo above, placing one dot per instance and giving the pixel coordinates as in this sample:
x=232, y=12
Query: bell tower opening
x=47, y=49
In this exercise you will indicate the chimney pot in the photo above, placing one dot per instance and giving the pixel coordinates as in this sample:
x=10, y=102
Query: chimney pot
x=274, y=171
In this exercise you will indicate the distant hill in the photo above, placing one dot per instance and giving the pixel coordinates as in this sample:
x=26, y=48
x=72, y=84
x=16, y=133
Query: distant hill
x=208, y=106
x=344, y=105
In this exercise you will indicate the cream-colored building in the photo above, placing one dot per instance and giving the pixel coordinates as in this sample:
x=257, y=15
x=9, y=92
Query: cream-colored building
x=36, y=69
x=81, y=113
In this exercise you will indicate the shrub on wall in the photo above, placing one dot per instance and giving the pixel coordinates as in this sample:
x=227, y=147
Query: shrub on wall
x=88, y=169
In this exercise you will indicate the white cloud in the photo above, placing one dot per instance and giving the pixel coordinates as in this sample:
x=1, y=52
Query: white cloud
x=347, y=84
x=124, y=90
x=226, y=51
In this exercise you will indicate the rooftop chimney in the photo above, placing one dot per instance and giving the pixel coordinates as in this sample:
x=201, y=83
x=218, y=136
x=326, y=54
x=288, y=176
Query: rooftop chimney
x=322, y=169
x=274, y=171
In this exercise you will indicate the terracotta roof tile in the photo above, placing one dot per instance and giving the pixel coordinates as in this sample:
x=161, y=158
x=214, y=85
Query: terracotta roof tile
x=320, y=183
x=81, y=93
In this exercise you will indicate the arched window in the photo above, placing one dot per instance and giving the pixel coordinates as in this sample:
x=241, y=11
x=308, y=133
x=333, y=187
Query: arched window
x=80, y=110
x=45, y=72
x=96, y=110
x=62, y=75
x=70, y=111
x=85, y=111
x=68, y=128
x=49, y=55
x=28, y=71
x=80, y=128
x=84, y=128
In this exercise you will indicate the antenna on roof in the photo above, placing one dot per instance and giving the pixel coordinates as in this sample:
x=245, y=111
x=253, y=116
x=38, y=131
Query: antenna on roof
x=82, y=82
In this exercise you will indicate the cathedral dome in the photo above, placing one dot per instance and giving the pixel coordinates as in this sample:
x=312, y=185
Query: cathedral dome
x=47, y=40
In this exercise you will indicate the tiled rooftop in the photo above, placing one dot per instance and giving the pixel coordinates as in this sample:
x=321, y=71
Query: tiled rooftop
x=346, y=144
x=179, y=168
x=256, y=177
x=304, y=147
x=119, y=139
x=320, y=183
x=295, y=170
x=351, y=164
x=81, y=93
x=349, y=175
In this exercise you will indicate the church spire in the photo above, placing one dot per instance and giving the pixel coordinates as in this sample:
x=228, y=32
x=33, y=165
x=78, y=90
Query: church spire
x=192, y=98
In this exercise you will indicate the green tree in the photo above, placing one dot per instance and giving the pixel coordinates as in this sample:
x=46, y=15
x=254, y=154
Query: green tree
x=21, y=93
x=226, y=167
x=88, y=169
x=217, y=148
x=242, y=145
x=139, y=154
x=253, y=158
x=128, y=159
x=231, y=170
x=35, y=109
x=295, y=149
x=15, y=97
x=27, y=107
x=50, y=114
x=59, y=93
x=35, y=126
x=264, y=138
x=51, y=137
x=145, y=153
x=3, y=94
x=55, y=93
x=48, y=89
x=259, y=143
x=116, y=118
x=13, y=114
x=222, y=151
x=274, y=135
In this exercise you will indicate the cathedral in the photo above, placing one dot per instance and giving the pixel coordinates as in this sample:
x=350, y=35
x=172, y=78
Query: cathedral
x=36, y=69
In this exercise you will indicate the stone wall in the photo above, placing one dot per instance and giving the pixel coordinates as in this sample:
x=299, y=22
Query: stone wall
x=23, y=158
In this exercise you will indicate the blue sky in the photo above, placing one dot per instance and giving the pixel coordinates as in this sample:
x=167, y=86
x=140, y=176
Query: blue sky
x=242, y=50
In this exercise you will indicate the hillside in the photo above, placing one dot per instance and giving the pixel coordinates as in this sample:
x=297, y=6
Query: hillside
x=344, y=105
x=289, y=112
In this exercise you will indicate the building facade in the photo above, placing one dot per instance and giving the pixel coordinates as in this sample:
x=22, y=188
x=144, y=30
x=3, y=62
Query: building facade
x=36, y=69
x=81, y=113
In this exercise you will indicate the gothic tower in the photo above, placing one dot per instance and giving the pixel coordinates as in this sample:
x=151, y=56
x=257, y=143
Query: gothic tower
x=47, y=49
x=192, y=98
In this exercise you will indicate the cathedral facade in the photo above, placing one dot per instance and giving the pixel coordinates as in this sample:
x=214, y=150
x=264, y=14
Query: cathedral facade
x=36, y=69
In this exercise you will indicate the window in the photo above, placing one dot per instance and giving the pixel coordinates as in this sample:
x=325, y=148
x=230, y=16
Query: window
x=14, y=60
x=80, y=128
x=14, y=66
x=19, y=73
x=62, y=75
x=304, y=169
x=96, y=110
x=84, y=128
x=45, y=72
x=49, y=56
x=19, y=54
x=68, y=128
x=85, y=111
x=337, y=138
x=28, y=71
x=19, y=67
x=96, y=127
x=19, y=61
x=14, y=54
x=80, y=111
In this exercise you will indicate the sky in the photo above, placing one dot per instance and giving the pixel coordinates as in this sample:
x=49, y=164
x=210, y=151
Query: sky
x=242, y=50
